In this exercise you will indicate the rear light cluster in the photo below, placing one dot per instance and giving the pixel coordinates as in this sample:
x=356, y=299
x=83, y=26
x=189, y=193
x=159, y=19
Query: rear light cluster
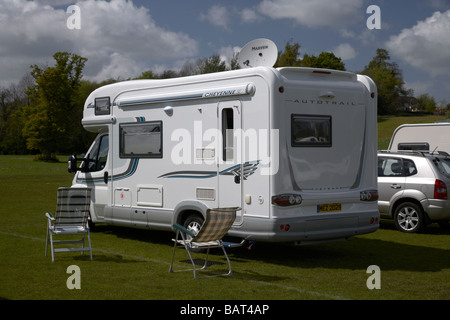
x=369, y=195
x=285, y=200
x=440, y=190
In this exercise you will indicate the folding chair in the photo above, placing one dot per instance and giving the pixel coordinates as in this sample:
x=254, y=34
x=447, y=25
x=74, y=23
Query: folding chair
x=71, y=218
x=217, y=223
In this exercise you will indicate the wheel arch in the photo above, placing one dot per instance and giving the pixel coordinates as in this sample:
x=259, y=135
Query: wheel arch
x=186, y=208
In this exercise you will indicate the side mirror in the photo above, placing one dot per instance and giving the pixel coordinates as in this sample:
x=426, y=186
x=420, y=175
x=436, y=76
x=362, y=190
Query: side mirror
x=72, y=164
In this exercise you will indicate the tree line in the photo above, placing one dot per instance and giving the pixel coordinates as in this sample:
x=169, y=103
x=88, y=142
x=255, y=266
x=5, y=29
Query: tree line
x=41, y=114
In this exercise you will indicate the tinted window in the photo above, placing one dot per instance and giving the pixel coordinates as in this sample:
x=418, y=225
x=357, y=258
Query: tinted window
x=99, y=154
x=310, y=131
x=409, y=167
x=396, y=167
x=142, y=139
x=443, y=165
x=390, y=167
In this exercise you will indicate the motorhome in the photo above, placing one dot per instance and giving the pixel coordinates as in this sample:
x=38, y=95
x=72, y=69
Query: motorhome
x=294, y=149
x=422, y=137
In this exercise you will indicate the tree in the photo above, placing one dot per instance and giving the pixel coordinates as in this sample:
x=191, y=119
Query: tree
x=425, y=102
x=325, y=60
x=213, y=64
x=290, y=56
x=389, y=80
x=54, y=121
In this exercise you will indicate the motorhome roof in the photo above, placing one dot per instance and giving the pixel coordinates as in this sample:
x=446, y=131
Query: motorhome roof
x=113, y=90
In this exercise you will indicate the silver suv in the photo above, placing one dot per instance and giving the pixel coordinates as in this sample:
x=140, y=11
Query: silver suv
x=412, y=188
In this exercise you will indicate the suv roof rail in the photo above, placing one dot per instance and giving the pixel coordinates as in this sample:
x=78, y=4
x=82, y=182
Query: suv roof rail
x=416, y=152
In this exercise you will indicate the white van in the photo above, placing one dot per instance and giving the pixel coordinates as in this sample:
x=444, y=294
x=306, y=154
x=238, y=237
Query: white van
x=422, y=137
x=294, y=148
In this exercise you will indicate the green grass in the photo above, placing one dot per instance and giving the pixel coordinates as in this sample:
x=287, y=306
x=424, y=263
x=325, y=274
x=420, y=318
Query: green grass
x=133, y=264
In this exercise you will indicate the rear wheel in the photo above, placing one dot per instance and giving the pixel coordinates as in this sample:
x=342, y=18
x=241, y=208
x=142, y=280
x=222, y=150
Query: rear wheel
x=409, y=217
x=193, y=223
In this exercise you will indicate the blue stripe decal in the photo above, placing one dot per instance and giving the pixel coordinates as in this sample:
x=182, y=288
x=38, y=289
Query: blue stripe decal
x=175, y=98
x=248, y=167
x=128, y=173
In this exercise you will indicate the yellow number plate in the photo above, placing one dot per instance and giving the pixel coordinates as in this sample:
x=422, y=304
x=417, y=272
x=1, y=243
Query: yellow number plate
x=329, y=207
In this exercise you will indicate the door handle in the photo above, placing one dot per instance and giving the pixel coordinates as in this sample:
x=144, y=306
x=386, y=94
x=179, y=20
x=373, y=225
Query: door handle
x=396, y=186
x=105, y=177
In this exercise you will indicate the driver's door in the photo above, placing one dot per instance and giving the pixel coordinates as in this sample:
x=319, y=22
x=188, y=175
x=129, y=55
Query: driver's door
x=94, y=174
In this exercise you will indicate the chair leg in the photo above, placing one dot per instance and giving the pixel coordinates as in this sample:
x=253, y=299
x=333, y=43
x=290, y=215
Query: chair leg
x=228, y=260
x=51, y=247
x=89, y=241
x=206, y=260
x=82, y=244
x=188, y=251
x=46, y=243
x=173, y=252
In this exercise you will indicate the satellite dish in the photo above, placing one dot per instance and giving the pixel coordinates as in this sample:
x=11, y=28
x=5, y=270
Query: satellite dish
x=258, y=53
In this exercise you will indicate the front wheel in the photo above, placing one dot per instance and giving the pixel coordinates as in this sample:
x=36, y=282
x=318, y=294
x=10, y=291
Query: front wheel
x=409, y=217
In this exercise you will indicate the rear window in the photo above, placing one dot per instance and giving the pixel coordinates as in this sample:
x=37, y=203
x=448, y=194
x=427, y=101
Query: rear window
x=443, y=165
x=310, y=131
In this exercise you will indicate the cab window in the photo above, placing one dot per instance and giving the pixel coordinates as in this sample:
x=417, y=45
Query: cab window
x=99, y=154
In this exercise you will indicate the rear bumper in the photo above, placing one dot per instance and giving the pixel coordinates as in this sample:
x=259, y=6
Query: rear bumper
x=437, y=209
x=307, y=229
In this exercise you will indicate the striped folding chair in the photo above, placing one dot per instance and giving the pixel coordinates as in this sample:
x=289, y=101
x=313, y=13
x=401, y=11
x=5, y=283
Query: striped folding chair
x=71, y=218
x=217, y=223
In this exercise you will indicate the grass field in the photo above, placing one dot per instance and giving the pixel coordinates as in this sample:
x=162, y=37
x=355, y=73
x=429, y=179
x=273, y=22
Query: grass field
x=133, y=264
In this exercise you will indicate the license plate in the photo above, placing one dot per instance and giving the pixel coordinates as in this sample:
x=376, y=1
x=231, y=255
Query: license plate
x=329, y=207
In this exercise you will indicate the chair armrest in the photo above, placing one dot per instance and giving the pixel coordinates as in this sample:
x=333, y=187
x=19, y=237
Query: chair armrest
x=183, y=229
x=49, y=216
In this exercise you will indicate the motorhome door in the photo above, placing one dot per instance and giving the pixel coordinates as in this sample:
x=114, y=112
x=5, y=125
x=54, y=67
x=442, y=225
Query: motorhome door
x=230, y=157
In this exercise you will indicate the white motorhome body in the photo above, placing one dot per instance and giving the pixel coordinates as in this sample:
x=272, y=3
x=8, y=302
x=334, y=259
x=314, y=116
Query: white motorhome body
x=423, y=136
x=294, y=148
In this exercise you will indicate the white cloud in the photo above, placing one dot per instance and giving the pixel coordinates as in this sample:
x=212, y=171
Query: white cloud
x=118, y=38
x=426, y=45
x=227, y=53
x=217, y=16
x=250, y=16
x=345, y=51
x=419, y=87
x=314, y=13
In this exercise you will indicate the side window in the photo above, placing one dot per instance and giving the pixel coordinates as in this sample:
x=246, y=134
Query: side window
x=310, y=131
x=390, y=167
x=142, y=139
x=227, y=134
x=409, y=167
x=99, y=154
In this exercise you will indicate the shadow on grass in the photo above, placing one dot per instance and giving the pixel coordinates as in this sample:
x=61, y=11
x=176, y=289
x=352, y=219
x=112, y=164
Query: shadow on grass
x=357, y=253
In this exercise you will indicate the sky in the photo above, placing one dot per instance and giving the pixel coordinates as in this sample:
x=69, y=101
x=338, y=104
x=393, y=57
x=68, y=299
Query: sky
x=121, y=38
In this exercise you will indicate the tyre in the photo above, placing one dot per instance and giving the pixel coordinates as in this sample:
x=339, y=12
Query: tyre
x=193, y=223
x=409, y=217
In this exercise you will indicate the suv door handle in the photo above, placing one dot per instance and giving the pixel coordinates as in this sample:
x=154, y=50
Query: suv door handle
x=396, y=186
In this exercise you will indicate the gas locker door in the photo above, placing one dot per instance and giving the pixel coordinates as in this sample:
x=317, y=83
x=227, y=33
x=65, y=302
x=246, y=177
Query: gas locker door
x=230, y=157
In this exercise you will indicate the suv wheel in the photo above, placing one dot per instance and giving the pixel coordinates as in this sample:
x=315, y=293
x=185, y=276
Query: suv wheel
x=409, y=217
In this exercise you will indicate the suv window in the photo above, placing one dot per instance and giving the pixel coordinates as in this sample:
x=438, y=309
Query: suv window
x=396, y=167
x=409, y=167
x=443, y=165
